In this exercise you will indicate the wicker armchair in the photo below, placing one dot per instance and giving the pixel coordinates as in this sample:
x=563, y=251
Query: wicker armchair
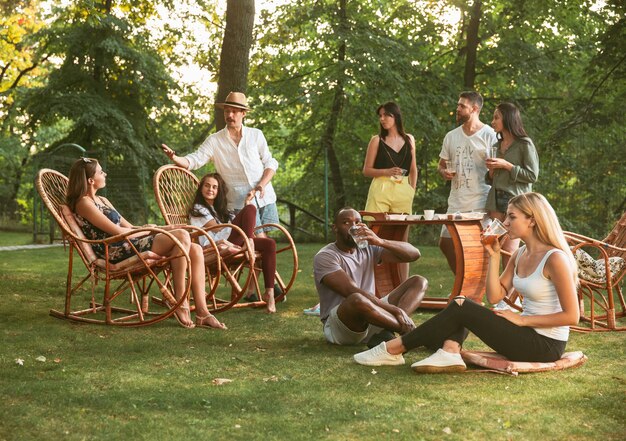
x=600, y=292
x=174, y=189
x=136, y=275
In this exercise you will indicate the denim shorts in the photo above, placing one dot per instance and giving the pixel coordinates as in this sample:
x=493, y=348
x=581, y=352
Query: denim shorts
x=267, y=215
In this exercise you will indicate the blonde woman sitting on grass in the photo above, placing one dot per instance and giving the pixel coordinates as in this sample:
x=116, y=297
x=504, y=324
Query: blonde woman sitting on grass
x=543, y=271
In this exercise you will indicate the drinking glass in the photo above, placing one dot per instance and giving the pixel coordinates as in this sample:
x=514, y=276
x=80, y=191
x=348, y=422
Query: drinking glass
x=398, y=178
x=450, y=168
x=361, y=242
x=494, y=230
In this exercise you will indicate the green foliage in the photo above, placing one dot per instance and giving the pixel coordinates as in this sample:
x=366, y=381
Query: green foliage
x=560, y=62
x=107, y=85
x=109, y=89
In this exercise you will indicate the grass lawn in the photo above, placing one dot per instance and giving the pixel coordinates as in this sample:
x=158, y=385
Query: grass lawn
x=10, y=238
x=156, y=383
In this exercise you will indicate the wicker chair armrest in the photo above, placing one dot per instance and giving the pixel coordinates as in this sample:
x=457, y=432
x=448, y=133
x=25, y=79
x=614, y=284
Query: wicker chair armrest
x=246, y=250
x=603, y=246
x=123, y=236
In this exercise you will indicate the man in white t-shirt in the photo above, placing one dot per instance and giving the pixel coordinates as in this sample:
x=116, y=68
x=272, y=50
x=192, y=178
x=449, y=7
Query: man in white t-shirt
x=466, y=148
x=241, y=156
x=344, y=279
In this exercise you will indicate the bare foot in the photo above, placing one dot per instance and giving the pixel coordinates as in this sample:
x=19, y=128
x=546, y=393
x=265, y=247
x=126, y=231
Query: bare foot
x=268, y=298
x=209, y=321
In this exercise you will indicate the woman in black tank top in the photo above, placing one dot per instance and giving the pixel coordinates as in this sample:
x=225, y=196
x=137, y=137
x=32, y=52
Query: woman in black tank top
x=390, y=160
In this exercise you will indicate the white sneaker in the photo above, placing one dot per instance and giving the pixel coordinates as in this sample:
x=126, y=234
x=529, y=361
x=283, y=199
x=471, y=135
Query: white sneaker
x=315, y=310
x=378, y=356
x=440, y=361
x=503, y=306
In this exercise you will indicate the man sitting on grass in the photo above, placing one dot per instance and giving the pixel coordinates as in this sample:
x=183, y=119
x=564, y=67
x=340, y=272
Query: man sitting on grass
x=344, y=278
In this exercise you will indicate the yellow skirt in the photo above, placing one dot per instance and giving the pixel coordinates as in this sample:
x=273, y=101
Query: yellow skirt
x=388, y=196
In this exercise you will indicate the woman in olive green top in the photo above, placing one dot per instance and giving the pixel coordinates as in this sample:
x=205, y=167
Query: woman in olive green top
x=515, y=168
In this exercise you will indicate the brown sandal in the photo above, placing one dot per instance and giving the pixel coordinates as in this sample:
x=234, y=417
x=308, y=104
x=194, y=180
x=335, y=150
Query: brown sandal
x=178, y=319
x=200, y=322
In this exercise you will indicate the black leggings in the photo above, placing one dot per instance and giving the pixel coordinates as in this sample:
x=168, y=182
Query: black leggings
x=517, y=343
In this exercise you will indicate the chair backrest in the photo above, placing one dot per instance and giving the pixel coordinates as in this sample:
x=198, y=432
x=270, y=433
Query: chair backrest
x=617, y=237
x=52, y=187
x=72, y=223
x=174, y=189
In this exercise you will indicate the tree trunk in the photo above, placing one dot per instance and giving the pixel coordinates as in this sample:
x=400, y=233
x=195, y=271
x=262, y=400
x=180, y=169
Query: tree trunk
x=469, y=76
x=328, y=137
x=234, y=59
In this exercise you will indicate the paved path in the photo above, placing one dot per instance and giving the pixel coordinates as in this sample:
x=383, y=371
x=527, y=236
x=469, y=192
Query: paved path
x=30, y=247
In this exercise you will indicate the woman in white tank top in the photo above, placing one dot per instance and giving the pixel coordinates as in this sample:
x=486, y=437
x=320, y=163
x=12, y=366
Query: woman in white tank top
x=543, y=271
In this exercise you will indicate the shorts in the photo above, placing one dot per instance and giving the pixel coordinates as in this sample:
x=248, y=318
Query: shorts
x=339, y=334
x=267, y=215
x=388, y=196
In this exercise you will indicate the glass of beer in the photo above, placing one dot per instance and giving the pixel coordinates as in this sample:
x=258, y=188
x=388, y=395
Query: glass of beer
x=398, y=178
x=493, y=231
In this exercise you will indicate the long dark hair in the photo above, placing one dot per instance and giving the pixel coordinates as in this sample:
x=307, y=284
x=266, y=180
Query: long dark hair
x=511, y=120
x=218, y=209
x=82, y=170
x=392, y=109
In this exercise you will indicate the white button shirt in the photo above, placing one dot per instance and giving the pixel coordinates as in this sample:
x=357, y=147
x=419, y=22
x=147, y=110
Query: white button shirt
x=241, y=166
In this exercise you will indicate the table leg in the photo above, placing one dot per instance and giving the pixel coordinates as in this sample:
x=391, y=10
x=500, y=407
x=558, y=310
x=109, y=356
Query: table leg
x=471, y=263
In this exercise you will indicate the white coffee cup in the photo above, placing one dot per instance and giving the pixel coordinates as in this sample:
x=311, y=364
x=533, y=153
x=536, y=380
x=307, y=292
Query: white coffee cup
x=429, y=214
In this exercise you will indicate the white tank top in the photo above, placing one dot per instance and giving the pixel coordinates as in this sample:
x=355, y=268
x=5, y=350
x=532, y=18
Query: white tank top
x=540, y=297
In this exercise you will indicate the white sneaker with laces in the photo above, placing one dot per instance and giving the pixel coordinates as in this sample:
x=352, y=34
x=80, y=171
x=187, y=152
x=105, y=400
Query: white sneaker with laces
x=440, y=361
x=378, y=356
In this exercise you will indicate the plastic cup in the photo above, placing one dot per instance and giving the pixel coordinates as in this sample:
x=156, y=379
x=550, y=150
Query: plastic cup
x=450, y=168
x=360, y=241
x=398, y=178
x=429, y=214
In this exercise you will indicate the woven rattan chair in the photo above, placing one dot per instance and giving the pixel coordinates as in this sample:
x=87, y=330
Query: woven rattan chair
x=174, y=190
x=600, y=293
x=135, y=276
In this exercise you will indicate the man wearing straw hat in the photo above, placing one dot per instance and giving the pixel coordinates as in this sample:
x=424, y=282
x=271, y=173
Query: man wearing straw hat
x=241, y=156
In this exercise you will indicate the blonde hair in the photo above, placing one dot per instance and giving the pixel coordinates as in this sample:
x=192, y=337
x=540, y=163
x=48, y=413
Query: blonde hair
x=80, y=172
x=547, y=226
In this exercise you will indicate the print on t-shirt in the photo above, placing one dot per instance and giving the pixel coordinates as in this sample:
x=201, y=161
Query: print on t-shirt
x=465, y=167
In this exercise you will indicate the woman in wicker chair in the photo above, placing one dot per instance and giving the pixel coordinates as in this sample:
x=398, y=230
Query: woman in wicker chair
x=98, y=220
x=543, y=270
x=209, y=209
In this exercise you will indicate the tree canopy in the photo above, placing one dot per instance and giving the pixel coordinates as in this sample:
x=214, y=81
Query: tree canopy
x=105, y=74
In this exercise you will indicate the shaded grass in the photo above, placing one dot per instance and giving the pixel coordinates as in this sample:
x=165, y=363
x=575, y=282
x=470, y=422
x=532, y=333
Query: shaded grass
x=156, y=383
x=10, y=238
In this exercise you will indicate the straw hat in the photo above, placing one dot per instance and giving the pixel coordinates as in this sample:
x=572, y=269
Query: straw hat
x=234, y=99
